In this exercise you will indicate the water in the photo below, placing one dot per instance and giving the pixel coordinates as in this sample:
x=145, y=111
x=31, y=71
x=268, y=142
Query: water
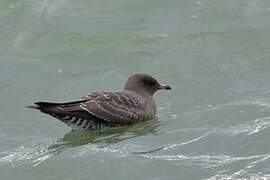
x=215, y=124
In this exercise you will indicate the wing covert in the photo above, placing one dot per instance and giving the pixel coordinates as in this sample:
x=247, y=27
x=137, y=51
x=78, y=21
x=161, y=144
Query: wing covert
x=115, y=107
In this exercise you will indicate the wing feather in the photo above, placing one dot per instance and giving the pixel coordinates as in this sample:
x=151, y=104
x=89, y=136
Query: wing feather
x=115, y=107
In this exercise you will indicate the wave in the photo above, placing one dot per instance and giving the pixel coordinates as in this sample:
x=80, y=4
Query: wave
x=33, y=154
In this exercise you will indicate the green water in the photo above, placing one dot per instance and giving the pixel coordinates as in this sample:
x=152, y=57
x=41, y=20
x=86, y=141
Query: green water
x=214, y=124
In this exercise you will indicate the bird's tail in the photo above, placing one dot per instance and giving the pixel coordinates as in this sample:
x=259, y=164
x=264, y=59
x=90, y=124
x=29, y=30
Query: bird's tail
x=70, y=113
x=43, y=105
x=33, y=107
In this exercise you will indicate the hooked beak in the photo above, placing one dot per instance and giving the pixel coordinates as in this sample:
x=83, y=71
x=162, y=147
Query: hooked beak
x=165, y=87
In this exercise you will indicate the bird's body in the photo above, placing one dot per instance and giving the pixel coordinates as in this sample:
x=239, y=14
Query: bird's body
x=98, y=110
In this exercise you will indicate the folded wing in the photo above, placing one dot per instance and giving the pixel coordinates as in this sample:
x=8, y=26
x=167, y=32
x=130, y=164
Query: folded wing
x=115, y=107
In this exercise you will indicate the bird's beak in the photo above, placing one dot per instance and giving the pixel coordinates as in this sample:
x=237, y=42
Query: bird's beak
x=165, y=87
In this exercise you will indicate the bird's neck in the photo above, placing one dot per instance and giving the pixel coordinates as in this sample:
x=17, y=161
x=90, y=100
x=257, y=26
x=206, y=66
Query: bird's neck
x=144, y=94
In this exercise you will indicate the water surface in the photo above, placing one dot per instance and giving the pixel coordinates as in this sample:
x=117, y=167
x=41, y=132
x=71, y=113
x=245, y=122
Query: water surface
x=215, y=124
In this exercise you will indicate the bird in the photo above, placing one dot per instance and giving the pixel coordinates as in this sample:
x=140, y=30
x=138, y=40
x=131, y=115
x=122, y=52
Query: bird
x=105, y=109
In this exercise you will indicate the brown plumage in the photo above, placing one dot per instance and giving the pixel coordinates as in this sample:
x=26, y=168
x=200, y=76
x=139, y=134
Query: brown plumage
x=108, y=109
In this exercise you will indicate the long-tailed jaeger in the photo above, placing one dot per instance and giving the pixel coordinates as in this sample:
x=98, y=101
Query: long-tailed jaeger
x=98, y=110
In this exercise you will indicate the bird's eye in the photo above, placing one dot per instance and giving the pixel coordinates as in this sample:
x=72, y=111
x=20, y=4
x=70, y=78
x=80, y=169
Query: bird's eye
x=149, y=83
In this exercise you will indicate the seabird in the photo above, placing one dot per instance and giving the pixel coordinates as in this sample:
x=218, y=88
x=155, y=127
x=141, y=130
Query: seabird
x=102, y=109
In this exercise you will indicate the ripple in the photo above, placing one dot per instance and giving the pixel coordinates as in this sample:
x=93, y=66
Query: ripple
x=33, y=154
x=121, y=151
x=244, y=171
x=49, y=6
x=257, y=102
x=171, y=146
x=251, y=177
x=187, y=142
x=250, y=128
x=207, y=161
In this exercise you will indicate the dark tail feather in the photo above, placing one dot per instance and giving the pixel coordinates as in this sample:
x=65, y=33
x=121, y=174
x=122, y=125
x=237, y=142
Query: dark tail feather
x=43, y=105
x=46, y=104
x=32, y=107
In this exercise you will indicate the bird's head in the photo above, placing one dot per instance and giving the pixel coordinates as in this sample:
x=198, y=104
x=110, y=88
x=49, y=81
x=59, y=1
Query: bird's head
x=143, y=83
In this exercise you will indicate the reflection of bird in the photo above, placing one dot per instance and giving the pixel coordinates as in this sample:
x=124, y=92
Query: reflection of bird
x=107, y=137
x=110, y=135
x=108, y=109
